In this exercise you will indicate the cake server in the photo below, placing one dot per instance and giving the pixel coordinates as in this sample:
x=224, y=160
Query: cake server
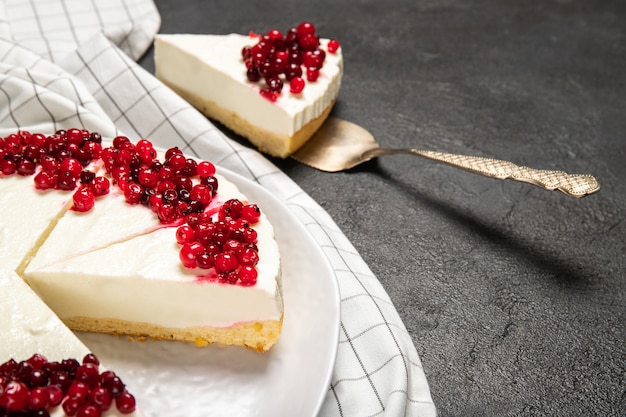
x=340, y=145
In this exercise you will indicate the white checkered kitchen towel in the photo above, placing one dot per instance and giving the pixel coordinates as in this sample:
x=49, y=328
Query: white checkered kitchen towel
x=70, y=63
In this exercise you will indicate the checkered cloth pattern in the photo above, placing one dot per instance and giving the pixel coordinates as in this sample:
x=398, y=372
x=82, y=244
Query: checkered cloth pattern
x=71, y=63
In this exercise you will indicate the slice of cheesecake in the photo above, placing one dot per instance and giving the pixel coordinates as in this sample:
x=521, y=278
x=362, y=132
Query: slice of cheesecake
x=126, y=277
x=276, y=95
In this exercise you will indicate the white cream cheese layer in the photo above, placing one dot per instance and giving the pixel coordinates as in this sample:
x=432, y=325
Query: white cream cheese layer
x=211, y=66
x=142, y=279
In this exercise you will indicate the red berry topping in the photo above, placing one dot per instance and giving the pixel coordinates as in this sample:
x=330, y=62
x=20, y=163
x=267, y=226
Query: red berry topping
x=88, y=374
x=304, y=29
x=125, y=403
x=71, y=167
x=79, y=389
x=206, y=169
x=333, y=46
x=100, y=186
x=251, y=213
x=185, y=234
x=177, y=162
x=275, y=59
x=71, y=406
x=189, y=252
x=25, y=167
x=101, y=397
x=312, y=74
x=45, y=180
x=177, y=189
x=84, y=199
x=247, y=275
x=55, y=395
x=225, y=262
x=269, y=95
x=39, y=398
x=132, y=193
x=296, y=85
x=15, y=396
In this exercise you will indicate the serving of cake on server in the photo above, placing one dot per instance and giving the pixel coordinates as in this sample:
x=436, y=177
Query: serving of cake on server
x=275, y=89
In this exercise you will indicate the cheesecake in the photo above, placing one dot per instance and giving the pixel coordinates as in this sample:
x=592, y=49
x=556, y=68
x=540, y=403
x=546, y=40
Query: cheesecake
x=275, y=90
x=120, y=238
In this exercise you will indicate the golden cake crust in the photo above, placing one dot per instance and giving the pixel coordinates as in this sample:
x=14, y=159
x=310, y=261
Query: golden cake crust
x=258, y=335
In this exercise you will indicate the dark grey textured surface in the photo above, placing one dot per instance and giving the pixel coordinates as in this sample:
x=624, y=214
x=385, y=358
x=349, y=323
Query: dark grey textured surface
x=514, y=296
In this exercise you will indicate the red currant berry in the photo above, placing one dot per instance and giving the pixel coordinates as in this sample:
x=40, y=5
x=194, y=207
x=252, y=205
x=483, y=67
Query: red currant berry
x=333, y=46
x=202, y=193
x=305, y=28
x=125, y=403
x=250, y=235
x=148, y=178
x=206, y=169
x=37, y=360
x=91, y=358
x=251, y=213
x=71, y=406
x=44, y=180
x=167, y=213
x=88, y=373
x=177, y=162
x=309, y=42
x=71, y=167
x=247, y=275
x=274, y=34
x=112, y=383
x=25, y=167
x=248, y=256
x=296, y=85
x=7, y=166
x=39, y=398
x=269, y=95
x=185, y=234
x=100, y=186
x=55, y=395
x=225, y=262
x=120, y=141
x=132, y=193
x=78, y=390
x=74, y=136
x=84, y=199
x=15, y=396
x=101, y=397
x=189, y=252
x=205, y=260
x=312, y=74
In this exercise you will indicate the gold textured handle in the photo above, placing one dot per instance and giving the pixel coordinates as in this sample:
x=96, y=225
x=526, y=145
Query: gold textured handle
x=573, y=185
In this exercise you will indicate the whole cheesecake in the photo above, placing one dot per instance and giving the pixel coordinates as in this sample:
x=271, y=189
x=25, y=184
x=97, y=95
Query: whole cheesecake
x=276, y=90
x=143, y=244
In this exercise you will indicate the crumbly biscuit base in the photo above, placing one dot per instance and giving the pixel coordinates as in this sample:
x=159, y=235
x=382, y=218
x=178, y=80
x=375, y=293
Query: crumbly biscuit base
x=271, y=143
x=259, y=336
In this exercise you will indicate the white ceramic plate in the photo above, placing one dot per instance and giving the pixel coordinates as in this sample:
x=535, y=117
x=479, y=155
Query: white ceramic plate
x=178, y=379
